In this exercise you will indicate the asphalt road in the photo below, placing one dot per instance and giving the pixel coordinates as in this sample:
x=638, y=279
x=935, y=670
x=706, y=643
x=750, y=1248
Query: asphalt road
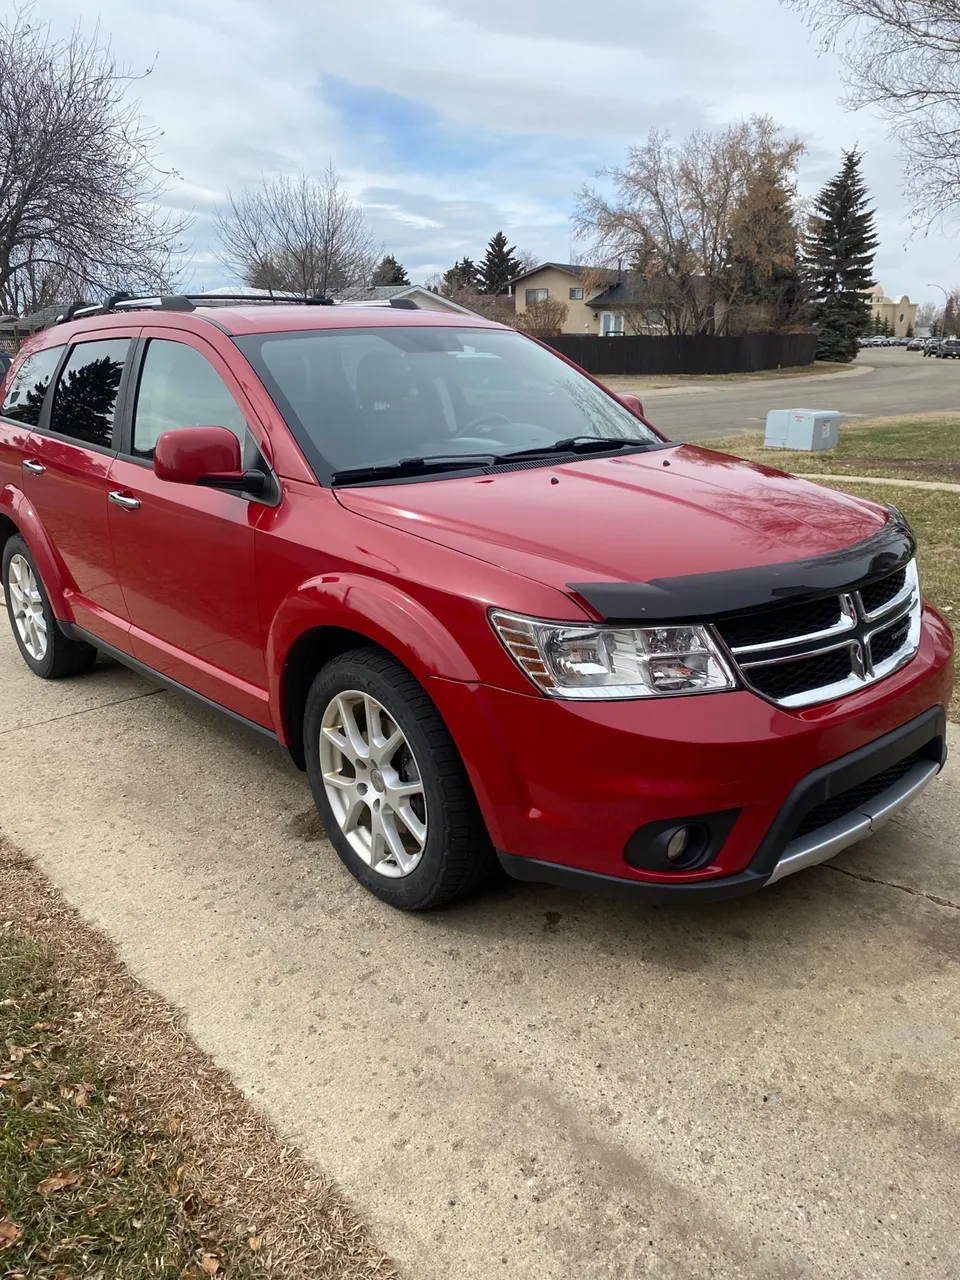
x=899, y=381
x=531, y=1085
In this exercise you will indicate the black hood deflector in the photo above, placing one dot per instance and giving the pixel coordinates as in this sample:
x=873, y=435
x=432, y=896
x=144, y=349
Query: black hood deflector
x=713, y=595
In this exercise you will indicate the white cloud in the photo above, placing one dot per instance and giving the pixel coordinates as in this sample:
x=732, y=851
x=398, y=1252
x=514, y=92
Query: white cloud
x=557, y=86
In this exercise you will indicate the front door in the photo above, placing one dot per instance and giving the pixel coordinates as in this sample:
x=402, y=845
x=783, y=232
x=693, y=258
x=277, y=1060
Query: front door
x=65, y=478
x=185, y=554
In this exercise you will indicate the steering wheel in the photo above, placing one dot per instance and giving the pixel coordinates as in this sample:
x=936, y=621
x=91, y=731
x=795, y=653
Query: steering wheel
x=486, y=419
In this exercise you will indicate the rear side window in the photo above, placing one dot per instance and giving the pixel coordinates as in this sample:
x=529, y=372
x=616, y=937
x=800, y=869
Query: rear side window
x=24, y=398
x=179, y=387
x=85, y=399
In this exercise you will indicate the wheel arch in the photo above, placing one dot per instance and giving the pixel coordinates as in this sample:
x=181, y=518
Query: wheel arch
x=329, y=616
x=18, y=517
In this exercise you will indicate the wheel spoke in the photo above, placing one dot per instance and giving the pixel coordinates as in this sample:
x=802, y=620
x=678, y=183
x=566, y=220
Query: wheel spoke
x=353, y=814
x=393, y=842
x=415, y=825
x=358, y=749
x=16, y=596
x=386, y=748
x=339, y=781
x=338, y=740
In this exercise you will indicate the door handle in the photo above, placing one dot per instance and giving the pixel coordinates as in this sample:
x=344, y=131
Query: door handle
x=36, y=467
x=123, y=500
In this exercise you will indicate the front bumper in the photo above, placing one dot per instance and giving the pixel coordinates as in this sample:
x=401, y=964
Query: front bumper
x=564, y=786
x=920, y=745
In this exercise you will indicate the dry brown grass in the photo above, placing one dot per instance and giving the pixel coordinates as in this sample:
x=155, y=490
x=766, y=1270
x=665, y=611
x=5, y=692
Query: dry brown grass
x=252, y=1185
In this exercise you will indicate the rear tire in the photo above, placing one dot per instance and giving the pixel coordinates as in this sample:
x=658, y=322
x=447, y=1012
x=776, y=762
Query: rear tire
x=407, y=824
x=44, y=648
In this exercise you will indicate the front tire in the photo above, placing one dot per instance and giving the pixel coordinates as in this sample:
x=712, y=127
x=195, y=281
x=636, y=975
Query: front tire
x=390, y=786
x=44, y=648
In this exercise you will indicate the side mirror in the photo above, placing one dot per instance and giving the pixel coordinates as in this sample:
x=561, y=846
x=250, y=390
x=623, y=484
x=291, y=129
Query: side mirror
x=206, y=456
x=633, y=403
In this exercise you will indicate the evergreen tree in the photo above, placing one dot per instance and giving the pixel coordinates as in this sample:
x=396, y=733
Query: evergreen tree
x=948, y=326
x=499, y=265
x=841, y=245
x=463, y=275
x=390, y=271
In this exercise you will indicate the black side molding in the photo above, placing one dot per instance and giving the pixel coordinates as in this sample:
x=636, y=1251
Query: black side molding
x=711, y=595
x=73, y=632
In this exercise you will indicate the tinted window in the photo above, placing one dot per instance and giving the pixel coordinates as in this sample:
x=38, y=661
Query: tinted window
x=86, y=394
x=373, y=396
x=180, y=388
x=24, y=398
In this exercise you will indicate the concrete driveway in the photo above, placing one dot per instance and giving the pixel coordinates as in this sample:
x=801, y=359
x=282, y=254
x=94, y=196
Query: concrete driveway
x=532, y=1085
x=899, y=381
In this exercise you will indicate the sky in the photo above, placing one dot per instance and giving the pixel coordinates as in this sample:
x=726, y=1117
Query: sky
x=450, y=119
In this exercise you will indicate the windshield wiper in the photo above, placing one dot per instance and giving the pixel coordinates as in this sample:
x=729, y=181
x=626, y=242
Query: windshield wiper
x=581, y=444
x=431, y=463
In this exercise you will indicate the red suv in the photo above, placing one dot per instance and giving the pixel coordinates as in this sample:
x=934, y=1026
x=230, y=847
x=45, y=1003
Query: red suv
x=490, y=610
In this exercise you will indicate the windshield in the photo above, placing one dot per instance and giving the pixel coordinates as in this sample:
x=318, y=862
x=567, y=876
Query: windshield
x=373, y=397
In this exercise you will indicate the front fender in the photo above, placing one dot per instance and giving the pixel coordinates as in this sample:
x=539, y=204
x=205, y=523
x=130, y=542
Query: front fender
x=381, y=612
x=17, y=507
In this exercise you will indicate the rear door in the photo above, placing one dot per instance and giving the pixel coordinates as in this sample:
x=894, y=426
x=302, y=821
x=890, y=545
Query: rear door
x=185, y=553
x=65, y=478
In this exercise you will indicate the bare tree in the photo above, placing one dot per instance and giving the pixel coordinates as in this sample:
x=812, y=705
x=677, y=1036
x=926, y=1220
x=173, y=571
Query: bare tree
x=685, y=213
x=929, y=315
x=544, y=319
x=903, y=57
x=528, y=260
x=298, y=235
x=78, y=182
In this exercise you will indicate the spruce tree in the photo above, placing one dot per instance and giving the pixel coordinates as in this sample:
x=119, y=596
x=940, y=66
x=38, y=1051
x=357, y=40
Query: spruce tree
x=499, y=265
x=390, y=271
x=841, y=245
x=463, y=275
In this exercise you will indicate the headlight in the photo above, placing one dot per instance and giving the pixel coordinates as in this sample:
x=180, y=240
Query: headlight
x=613, y=662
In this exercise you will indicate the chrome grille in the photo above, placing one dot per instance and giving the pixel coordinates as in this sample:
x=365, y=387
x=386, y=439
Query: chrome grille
x=802, y=654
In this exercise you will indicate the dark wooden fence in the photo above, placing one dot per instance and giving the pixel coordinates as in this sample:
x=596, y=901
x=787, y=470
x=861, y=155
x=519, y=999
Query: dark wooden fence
x=642, y=354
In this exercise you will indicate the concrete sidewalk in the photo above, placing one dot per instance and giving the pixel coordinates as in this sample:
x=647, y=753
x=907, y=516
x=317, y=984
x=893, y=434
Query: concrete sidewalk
x=533, y=1085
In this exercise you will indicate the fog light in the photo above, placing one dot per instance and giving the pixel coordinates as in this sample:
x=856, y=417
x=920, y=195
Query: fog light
x=678, y=844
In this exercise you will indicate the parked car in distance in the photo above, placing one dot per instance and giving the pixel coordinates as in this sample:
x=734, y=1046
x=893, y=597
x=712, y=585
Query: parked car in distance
x=879, y=341
x=949, y=349
x=493, y=613
x=915, y=344
x=931, y=346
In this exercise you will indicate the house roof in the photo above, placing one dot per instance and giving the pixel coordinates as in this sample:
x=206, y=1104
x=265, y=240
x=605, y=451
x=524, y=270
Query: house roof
x=576, y=269
x=644, y=293
x=385, y=292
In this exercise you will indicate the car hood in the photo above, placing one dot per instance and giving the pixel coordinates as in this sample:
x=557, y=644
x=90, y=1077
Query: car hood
x=632, y=518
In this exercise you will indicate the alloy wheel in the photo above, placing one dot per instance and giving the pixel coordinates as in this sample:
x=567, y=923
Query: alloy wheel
x=373, y=783
x=23, y=590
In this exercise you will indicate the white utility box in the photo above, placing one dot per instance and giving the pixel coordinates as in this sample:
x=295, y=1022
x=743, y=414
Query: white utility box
x=802, y=429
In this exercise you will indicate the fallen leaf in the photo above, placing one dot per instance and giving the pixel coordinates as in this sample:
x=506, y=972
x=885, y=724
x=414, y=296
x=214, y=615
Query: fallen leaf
x=9, y=1233
x=173, y=1188
x=255, y=1242
x=174, y=1125
x=44, y=1026
x=81, y=1098
x=58, y=1182
x=19, y=1051
x=209, y=1264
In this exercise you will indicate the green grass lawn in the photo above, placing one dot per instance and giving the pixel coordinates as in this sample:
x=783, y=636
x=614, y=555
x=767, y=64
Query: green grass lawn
x=933, y=513
x=914, y=448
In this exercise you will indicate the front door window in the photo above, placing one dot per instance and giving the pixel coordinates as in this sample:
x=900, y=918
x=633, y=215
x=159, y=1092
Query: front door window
x=611, y=326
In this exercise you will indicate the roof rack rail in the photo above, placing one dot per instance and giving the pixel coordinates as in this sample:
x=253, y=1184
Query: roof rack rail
x=180, y=302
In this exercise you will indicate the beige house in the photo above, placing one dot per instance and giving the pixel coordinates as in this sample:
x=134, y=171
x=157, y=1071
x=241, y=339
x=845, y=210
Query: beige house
x=572, y=285
x=900, y=316
x=600, y=300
